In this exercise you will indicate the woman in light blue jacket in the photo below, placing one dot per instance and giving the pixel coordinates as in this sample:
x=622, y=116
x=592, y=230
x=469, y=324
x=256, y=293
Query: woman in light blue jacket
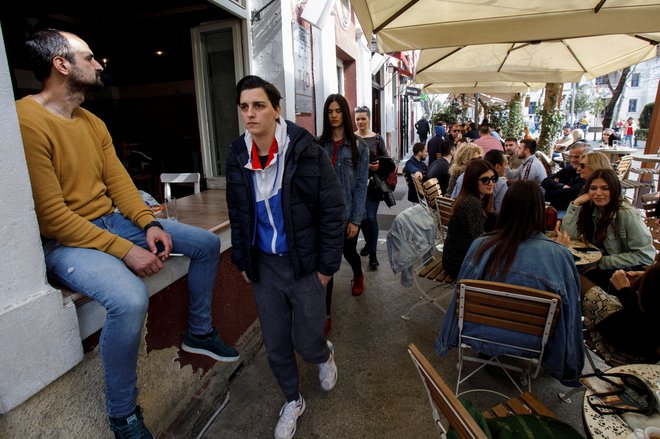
x=350, y=158
x=603, y=218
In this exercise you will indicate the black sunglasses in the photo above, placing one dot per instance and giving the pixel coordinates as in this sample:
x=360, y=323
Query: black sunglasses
x=486, y=180
x=362, y=109
x=582, y=165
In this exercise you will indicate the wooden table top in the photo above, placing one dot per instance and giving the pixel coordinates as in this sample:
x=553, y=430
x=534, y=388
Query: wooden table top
x=206, y=210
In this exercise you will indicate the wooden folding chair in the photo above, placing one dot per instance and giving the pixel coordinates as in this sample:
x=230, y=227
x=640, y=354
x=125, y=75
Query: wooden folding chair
x=444, y=402
x=511, y=307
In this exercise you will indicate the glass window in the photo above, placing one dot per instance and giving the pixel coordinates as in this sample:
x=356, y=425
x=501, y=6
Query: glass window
x=632, y=105
x=634, y=80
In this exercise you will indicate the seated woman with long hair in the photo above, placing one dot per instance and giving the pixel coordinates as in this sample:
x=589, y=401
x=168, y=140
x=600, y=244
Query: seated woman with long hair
x=601, y=217
x=518, y=252
x=464, y=153
x=472, y=214
x=623, y=325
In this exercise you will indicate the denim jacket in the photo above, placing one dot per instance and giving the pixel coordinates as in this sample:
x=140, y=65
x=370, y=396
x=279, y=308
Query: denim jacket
x=627, y=245
x=542, y=264
x=353, y=181
x=412, y=234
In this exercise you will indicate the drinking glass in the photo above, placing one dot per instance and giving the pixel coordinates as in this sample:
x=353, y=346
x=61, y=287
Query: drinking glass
x=170, y=209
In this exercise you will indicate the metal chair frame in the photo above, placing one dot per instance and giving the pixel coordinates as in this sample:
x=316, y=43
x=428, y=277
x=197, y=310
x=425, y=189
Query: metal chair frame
x=511, y=307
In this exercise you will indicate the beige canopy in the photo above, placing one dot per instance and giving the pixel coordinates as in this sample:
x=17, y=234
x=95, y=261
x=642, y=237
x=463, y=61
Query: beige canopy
x=489, y=88
x=565, y=60
x=422, y=24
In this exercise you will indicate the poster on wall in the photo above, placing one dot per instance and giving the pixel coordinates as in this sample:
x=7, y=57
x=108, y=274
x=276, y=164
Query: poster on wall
x=302, y=56
x=267, y=44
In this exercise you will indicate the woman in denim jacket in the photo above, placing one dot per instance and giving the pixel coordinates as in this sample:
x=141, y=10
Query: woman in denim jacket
x=518, y=252
x=350, y=158
x=604, y=219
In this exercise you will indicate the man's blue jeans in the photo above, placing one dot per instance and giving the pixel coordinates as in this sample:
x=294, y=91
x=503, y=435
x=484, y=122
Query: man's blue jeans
x=110, y=282
x=628, y=138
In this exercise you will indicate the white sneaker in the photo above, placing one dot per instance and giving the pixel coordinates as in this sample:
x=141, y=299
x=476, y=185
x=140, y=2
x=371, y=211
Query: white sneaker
x=328, y=371
x=286, y=426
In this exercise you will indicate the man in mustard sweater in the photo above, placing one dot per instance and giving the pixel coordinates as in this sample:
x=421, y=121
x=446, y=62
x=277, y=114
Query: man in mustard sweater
x=99, y=236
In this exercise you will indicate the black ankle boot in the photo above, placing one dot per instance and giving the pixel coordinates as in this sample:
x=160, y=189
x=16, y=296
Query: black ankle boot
x=365, y=250
x=373, y=262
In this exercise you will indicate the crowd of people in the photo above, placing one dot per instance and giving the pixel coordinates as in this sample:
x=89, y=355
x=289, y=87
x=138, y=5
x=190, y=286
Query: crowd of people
x=296, y=204
x=499, y=230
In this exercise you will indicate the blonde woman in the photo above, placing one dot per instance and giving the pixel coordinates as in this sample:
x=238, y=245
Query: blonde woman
x=464, y=154
x=591, y=162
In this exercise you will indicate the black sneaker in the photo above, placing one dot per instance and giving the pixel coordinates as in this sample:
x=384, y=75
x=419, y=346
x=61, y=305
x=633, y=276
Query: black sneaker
x=211, y=346
x=365, y=250
x=131, y=426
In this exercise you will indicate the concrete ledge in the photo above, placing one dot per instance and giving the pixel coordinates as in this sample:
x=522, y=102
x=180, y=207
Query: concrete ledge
x=33, y=356
x=91, y=315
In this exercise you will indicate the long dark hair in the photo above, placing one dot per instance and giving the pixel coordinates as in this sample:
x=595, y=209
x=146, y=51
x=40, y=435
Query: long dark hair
x=474, y=169
x=522, y=215
x=585, y=222
x=349, y=128
x=648, y=288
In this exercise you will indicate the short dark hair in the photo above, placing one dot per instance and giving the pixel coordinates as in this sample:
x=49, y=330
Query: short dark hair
x=251, y=82
x=529, y=144
x=418, y=147
x=483, y=129
x=511, y=139
x=445, y=147
x=495, y=157
x=42, y=47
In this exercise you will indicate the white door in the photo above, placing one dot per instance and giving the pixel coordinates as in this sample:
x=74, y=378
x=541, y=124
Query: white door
x=218, y=61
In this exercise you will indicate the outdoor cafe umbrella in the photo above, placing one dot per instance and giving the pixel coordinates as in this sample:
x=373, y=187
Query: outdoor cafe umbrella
x=423, y=24
x=563, y=60
x=489, y=88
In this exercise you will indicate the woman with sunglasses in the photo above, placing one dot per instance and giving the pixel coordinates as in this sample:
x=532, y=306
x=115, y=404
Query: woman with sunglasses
x=591, y=162
x=350, y=158
x=472, y=214
x=518, y=252
x=377, y=155
x=603, y=218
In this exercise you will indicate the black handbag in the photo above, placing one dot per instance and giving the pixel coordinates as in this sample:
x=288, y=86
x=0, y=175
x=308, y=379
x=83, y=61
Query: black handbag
x=626, y=393
x=382, y=186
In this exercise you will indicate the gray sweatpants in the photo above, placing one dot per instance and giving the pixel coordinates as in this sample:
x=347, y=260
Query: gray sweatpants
x=292, y=316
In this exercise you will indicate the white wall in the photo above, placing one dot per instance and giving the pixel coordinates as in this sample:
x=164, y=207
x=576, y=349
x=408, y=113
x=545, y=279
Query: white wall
x=38, y=332
x=326, y=53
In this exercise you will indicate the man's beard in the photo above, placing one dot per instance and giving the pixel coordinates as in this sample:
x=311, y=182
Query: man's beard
x=78, y=84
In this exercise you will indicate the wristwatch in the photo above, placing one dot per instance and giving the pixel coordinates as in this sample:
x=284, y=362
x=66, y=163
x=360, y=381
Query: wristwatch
x=153, y=224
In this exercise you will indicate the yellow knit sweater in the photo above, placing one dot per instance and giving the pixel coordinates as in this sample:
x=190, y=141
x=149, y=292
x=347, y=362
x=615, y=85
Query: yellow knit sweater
x=76, y=177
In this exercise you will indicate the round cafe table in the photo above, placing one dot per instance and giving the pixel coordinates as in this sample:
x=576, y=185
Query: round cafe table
x=585, y=255
x=613, y=426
